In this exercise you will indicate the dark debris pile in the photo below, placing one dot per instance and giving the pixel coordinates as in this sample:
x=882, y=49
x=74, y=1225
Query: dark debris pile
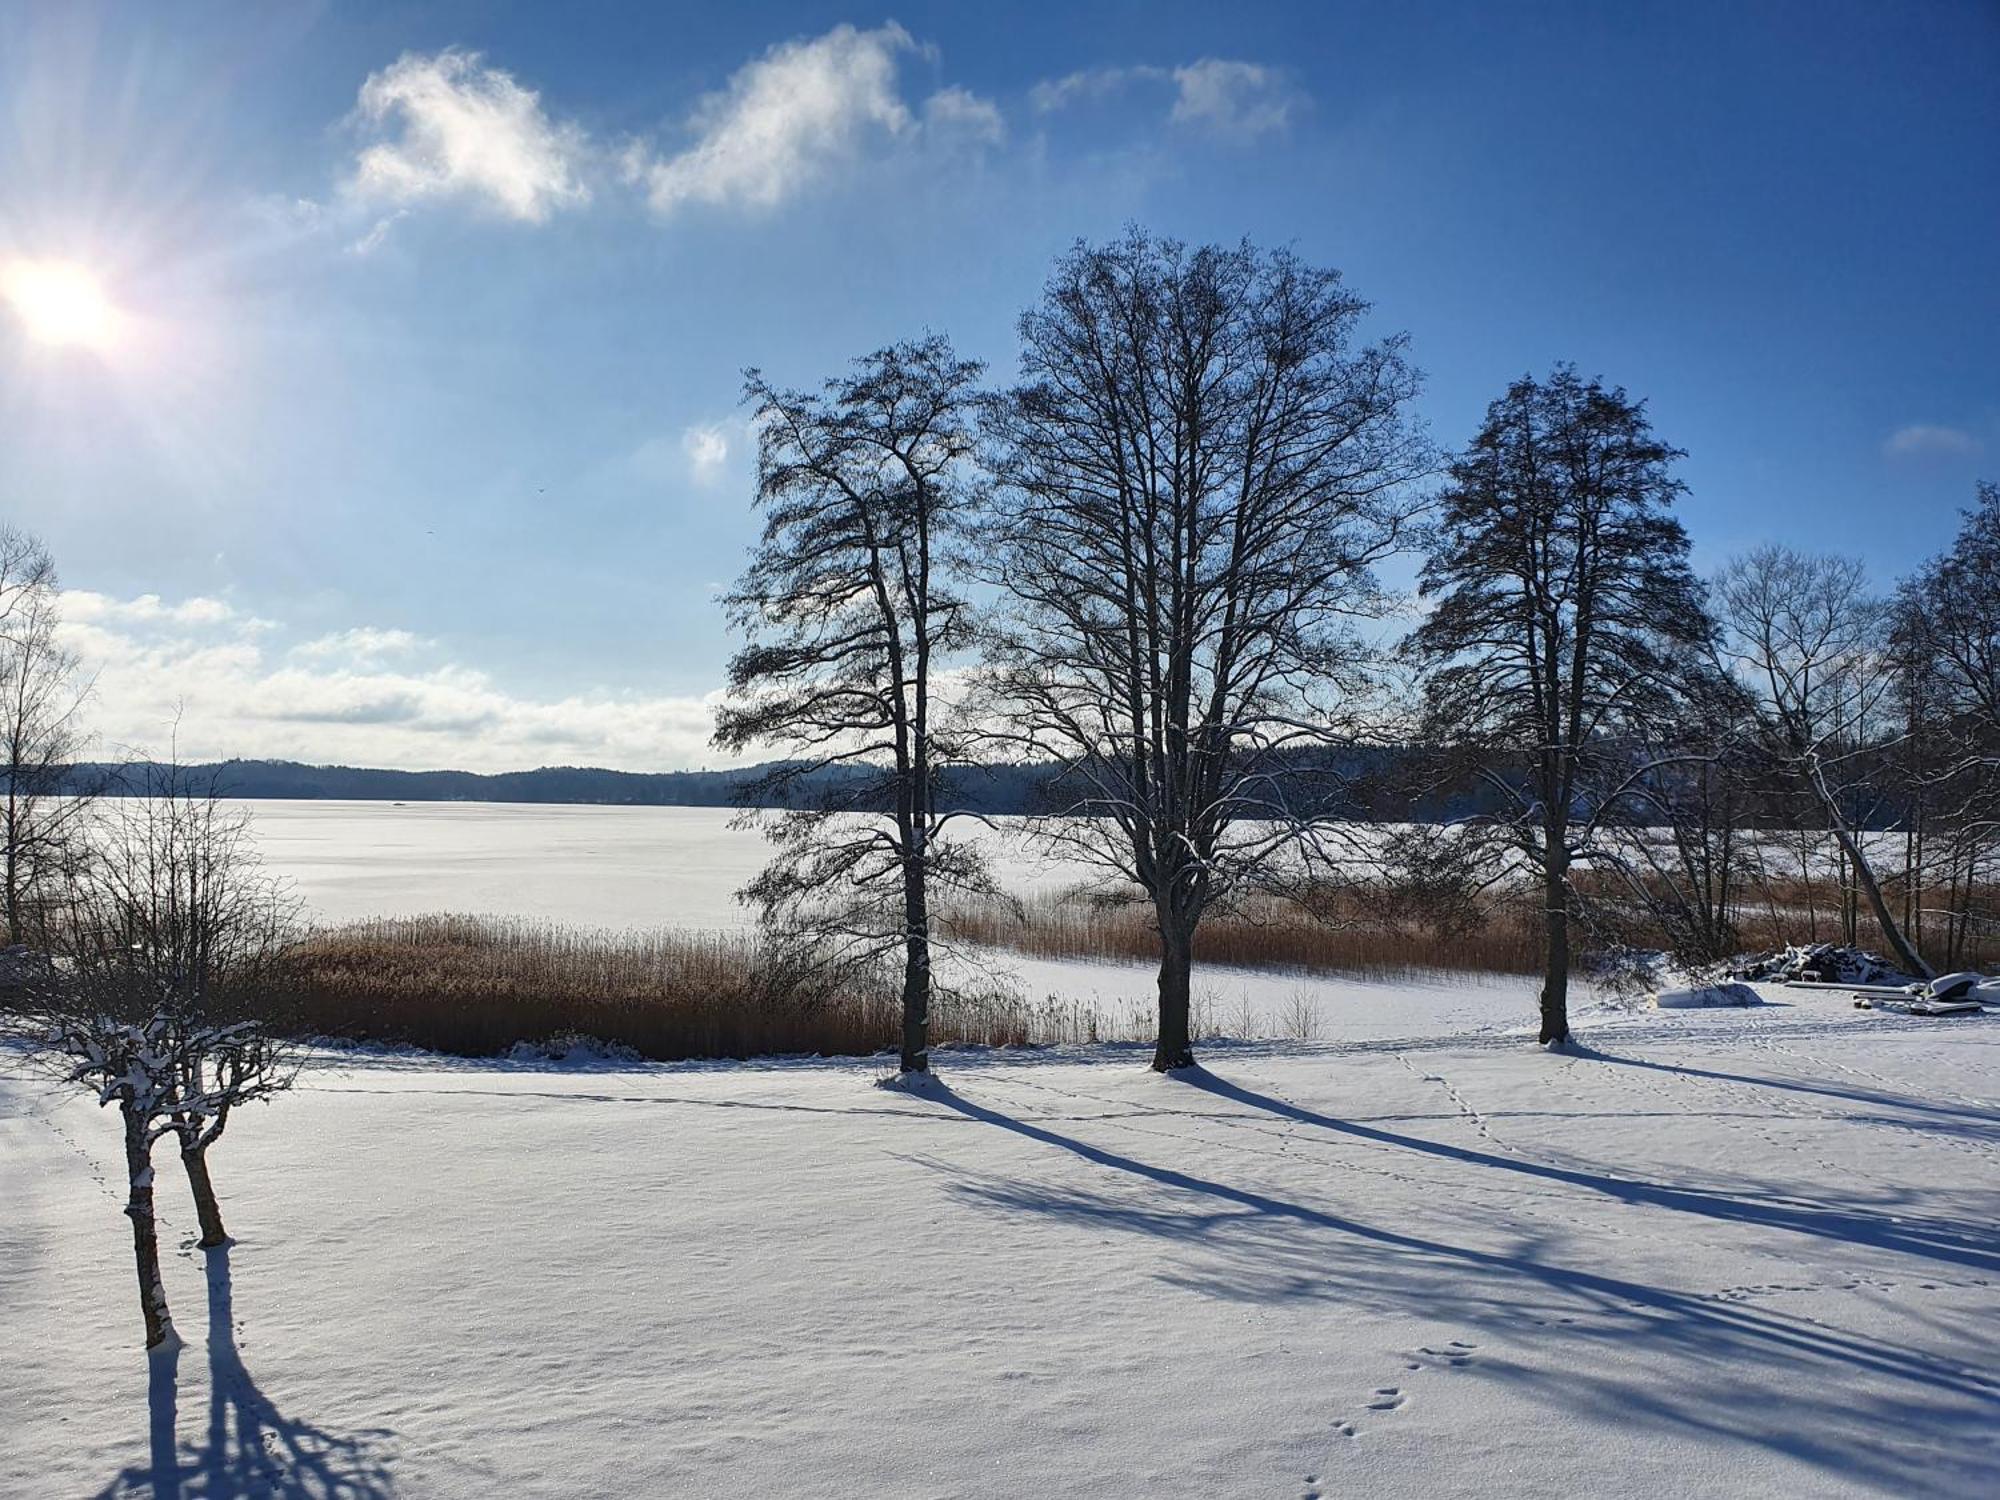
x=1826, y=963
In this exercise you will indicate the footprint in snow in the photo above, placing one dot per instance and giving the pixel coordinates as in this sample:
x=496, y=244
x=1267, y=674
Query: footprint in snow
x=1387, y=1398
x=1457, y=1353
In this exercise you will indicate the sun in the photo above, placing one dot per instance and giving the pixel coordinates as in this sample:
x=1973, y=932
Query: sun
x=59, y=302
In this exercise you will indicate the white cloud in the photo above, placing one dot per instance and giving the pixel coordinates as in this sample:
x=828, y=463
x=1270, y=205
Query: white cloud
x=363, y=642
x=1052, y=94
x=707, y=450
x=802, y=110
x=201, y=672
x=456, y=129
x=702, y=453
x=1221, y=96
x=82, y=606
x=446, y=126
x=962, y=113
x=378, y=232
x=1240, y=100
x=1925, y=441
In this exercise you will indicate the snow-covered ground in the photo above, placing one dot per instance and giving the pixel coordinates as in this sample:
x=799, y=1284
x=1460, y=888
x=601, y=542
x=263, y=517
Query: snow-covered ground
x=1716, y=1253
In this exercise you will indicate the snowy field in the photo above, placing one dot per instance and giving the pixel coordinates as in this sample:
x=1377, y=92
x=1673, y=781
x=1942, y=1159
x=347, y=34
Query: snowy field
x=1744, y=1253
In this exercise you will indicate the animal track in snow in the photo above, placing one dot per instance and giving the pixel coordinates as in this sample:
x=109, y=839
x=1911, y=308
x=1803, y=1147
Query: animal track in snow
x=1459, y=1102
x=1457, y=1353
x=1387, y=1398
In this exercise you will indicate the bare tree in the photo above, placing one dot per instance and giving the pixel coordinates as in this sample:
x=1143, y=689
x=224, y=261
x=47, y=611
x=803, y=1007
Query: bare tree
x=1198, y=468
x=42, y=691
x=851, y=616
x=108, y=1040
x=1810, y=641
x=170, y=961
x=1565, y=620
x=177, y=898
x=1682, y=849
x=1946, y=641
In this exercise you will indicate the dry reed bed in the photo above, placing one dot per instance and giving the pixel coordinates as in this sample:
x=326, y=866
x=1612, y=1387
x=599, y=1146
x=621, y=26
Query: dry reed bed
x=1348, y=932
x=476, y=986
x=1374, y=931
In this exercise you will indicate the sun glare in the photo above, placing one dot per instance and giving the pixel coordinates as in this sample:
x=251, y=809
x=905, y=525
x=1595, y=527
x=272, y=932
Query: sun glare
x=60, y=303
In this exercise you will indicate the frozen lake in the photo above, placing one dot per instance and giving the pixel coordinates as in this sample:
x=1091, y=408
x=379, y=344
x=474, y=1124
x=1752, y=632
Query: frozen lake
x=640, y=867
x=628, y=867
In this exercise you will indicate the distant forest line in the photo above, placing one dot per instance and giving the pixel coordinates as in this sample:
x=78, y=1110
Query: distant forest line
x=1369, y=784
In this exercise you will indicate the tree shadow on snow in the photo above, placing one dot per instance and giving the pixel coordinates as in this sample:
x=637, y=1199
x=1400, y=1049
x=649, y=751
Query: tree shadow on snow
x=1962, y=1242
x=1980, y=1120
x=1704, y=1353
x=248, y=1448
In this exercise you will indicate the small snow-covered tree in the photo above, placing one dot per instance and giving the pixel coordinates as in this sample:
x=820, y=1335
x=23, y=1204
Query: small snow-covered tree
x=102, y=1038
x=169, y=968
x=110, y=1030
x=176, y=908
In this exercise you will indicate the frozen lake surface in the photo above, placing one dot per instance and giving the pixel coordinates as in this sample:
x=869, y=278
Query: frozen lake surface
x=627, y=867
x=642, y=867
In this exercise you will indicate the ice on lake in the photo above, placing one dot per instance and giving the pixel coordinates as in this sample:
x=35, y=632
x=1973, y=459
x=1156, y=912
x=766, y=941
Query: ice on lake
x=648, y=867
x=594, y=866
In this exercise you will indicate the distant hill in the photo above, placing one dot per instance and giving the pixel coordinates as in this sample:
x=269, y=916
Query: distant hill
x=1363, y=784
x=997, y=789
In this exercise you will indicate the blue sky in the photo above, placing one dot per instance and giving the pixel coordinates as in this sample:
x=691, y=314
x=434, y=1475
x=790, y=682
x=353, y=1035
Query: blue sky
x=408, y=433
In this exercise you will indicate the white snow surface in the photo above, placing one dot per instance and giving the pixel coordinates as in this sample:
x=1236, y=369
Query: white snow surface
x=590, y=866
x=1707, y=1253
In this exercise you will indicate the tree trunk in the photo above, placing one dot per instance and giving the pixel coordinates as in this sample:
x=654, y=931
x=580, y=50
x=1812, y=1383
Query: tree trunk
x=916, y=975
x=12, y=893
x=145, y=1233
x=206, y=1209
x=163, y=1421
x=1911, y=960
x=1175, y=1048
x=1555, y=973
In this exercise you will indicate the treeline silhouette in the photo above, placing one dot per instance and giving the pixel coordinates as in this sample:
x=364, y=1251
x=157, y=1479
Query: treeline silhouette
x=1367, y=784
